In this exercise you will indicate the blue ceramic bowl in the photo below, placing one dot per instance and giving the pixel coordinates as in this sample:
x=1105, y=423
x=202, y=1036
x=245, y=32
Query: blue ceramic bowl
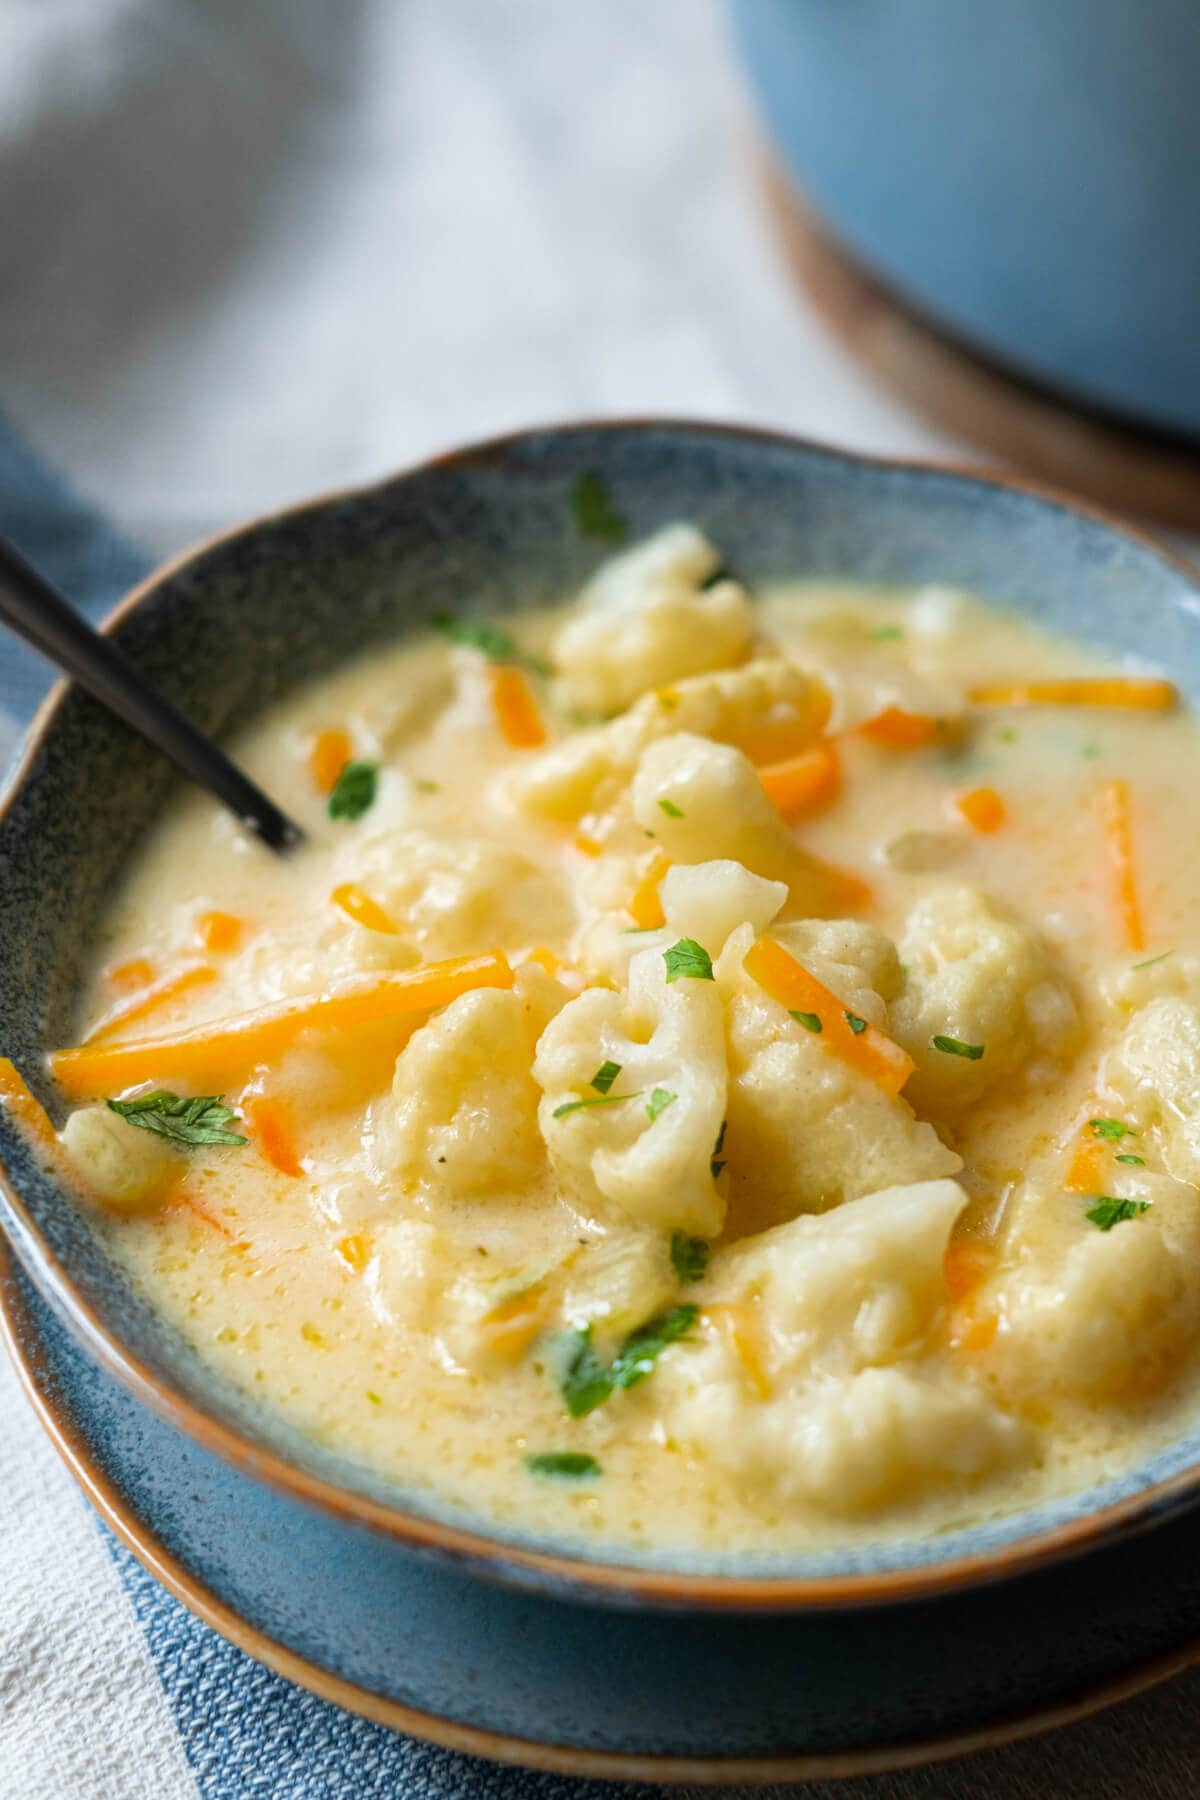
x=1026, y=173
x=407, y=1604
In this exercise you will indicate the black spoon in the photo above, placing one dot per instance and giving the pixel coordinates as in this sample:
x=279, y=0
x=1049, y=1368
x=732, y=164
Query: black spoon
x=36, y=611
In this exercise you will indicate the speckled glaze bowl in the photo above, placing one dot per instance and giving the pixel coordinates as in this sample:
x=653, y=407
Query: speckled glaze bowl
x=415, y=1613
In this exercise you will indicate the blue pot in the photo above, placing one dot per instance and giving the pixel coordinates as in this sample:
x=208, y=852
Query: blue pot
x=416, y=1613
x=1026, y=173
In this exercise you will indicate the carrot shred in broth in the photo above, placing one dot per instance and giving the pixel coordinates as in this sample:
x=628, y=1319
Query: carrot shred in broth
x=897, y=729
x=358, y=905
x=148, y=1000
x=982, y=808
x=328, y=755
x=184, y=1201
x=354, y=1250
x=587, y=846
x=219, y=931
x=645, y=907
x=1117, y=822
x=742, y=1328
x=1146, y=693
x=803, y=783
x=515, y=707
x=270, y=1123
x=868, y=1050
x=226, y=1051
x=545, y=959
x=512, y=1325
x=966, y=1264
x=22, y=1105
x=1088, y=1166
x=138, y=972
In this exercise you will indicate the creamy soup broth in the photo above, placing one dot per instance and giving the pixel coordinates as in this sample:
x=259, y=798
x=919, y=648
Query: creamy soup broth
x=872, y=959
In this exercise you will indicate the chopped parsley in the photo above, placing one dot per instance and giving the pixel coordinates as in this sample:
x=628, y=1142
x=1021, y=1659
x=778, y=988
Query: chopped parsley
x=1108, y=1212
x=595, y=514
x=689, y=1257
x=570, y=1106
x=689, y=958
x=672, y=811
x=199, y=1121
x=1151, y=960
x=1137, y=1162
x=1007, y=735
x=658, y=1102
x=604, y=1077
x=955, y=1047
x=886, y=634
x=424, y=786
x=354, y=790
x=565, y=1465
x=810, y=1021
x=1111, y=1129
x=716, y=1165
x=495, y=644
x=857, y=1025
x=588, y=1383
x=373, y=1398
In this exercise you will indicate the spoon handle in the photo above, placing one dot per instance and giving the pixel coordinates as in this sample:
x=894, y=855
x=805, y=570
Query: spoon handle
x=37, y=612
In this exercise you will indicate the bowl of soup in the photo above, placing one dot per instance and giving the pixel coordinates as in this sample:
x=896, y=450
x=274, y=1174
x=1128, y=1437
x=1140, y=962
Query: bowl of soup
x=683, y=1191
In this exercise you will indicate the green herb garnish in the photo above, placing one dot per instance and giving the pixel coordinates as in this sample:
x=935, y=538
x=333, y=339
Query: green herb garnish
x=1111, y=1129
x=658, y=1102
x=810, y=1021
x=373, y=1398
x=495, y=644
x=354, y=790
x=672, y=811
x=857, y=1025
x=199, y=1121
x=570, y=1106
x=424, y=786
x=1137, y=1162
x=604, y=1077
x=1151, y=960
x=588, y=1383
x=689, y=1257
x=886, y=633
x=955, y=1047
x=689, y=958
x=595, y=514
x=1108, y=1212
x=568, y=1465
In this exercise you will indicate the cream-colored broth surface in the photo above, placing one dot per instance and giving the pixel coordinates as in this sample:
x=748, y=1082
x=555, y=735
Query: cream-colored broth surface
x=411, y=1284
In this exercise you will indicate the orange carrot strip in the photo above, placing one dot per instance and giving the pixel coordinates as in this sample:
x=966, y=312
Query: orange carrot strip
x=515, y=707
x=645, y=907
x=192, y=1205
x=846, y=890
x=271, y=1127
x=965, y=1264
x=138, y=972
x=1149, y=693
x=971, y=1332
x=359, y=906
x=982, y=808
x=1118, y=833
x=512, y=1325
x=219, y=930
x=169, y=987
x=867, y=1050
x=899, y=730
x=803, y=783
x=327, y=757
x=355, y=1251
x=589, y=846
x=225, y=1051
x=1088, y=1165
x=545, y=959
x=742, y=1327
x=20, y=1104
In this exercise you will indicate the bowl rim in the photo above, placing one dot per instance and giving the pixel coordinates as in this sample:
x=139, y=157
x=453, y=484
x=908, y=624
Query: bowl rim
x=507, y=1561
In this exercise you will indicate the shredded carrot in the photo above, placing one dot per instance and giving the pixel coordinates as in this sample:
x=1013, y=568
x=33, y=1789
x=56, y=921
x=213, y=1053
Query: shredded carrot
x=667, y=697
x=742, y=1327
x=169, y=987
x=219, y=930
x=21, y=1104
x=982, y=808
x=645, y=907
x=1148, y=693
x=190, y=1204
x=355, y=1251
x=359, y=906
x=138, y=972
x=966, y=1263
x=968, y=1331
x=803, y=783
x=866, y=1049
x=589, y=846
x=225, y=1051
x=515, y=707
x=1118, y=833
x=1088, y=1166
x=899, y=730
x=545, y=959
x=511, y=1327
x=270, y=1125
x=329, y=753
x=845, y=890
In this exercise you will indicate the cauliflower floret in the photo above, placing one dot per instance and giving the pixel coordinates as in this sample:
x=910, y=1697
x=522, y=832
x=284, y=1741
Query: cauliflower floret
x=619, y=1282
x=125, y=1167
x=827, y=1301
x=1155, y=1069
x=1128, y=987
x=463, y=1117
x=805, y=1130
x=645, y=619
x=767, y=707
x=667, y=1039
x=709, y=900
x=979, y=976
x=1093, y=1313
